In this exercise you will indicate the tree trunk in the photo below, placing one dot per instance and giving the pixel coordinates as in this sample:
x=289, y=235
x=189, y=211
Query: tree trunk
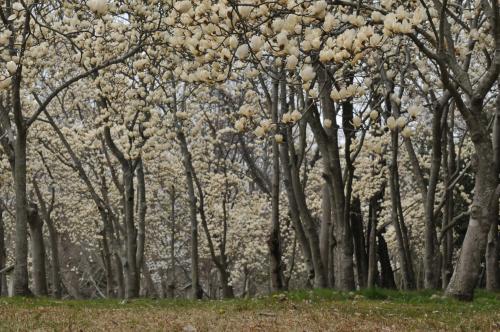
x=106, y=258
x=493, y=247
x=21, y=279
x=407, y=278
x=274, y=241
x=386, y=272
x=326, y=228
x=132, y=275
x=120, y=281
x=372, y=243
x=142, y=206
x=359, y=243
x=466, y=274
x=37, y=251
x=449, y=170
x=3, y=257
x=196, y=290
x=431, y=257
x=291, y=174
x=328, y=143
x=55, y=268
x=172, y=279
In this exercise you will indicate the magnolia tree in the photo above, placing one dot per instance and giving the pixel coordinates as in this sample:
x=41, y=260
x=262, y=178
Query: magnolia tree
x=249, y=146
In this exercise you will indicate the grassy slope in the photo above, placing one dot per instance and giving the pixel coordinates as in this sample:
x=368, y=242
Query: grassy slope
x=321, y=310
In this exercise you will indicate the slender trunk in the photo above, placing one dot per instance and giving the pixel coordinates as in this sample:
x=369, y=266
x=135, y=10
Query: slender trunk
x=37, y=251
x=132, y=276
x=449, y=161
x=149, y=285
x=3, y=257
x=106, y=257
x=466, y=274
x=120, y=281
x=274, y=241
x=55, y=268
x=493, y=247
x=386, y=272
x=431, y=257
x=291, y=173
x=359, y=243
x=372, y=241
x=21, y=242
x=172, y=281
x=227, y=289
x=196, y=290
x=141, y=234
x=407, y=279
x=326, y=227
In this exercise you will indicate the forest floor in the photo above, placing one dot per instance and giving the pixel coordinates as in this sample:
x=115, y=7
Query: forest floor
x=319, y=310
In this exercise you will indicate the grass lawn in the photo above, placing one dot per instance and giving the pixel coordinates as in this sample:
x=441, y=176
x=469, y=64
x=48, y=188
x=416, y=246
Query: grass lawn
x=319, y=310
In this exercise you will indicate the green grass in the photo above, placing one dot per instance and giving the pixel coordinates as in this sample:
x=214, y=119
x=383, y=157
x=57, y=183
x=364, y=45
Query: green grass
x=305, y=310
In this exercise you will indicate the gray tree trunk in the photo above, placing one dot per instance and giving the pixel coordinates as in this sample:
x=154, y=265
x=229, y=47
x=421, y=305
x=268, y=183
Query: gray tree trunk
x=37, y=251
x=408, y=281
x=172, y=280
x=466, y=274
x=449, y=170
x=21, y=279
x=325, y=233
x=132, y=275
x=274, y=241
x=3, y=256
x=493, y=247
x=55, y=268
x=196, y=289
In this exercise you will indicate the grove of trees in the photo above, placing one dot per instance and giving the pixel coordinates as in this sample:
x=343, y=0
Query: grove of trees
x=213, y=149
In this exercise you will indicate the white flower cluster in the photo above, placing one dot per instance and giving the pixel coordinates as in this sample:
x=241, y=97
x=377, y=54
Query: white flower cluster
x=350, y=91
x=291, y=117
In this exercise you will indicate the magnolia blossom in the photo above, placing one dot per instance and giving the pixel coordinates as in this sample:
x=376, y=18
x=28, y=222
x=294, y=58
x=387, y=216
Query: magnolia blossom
x=291, y=117
x=256, y=43
x=182, y=115
x=328, y=123
x=99, y=7
x=407, y=132
x=11, y=67
x=240, y=124
x=374, y=115
x=291, y=62
x=357, y=122
x=182, y=6
x=17, y=6
x=391, y=123
x=413, y=111
x=401, y=122
x=5, y=83
x=307, y=73
x=259, y=131
x=278, y=138
x=242, y=51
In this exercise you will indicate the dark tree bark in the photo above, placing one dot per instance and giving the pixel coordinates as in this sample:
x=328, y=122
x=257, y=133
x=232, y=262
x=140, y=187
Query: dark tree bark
x=386, y=272
x=493, y=246
x=359, y=243
x=55, y=268
x=449, y=170
x=408, y=279
x=132, y=270
x=37, y=251
x=196, y=290
x=172, y=279
x=274, y=241
x=3, y=256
